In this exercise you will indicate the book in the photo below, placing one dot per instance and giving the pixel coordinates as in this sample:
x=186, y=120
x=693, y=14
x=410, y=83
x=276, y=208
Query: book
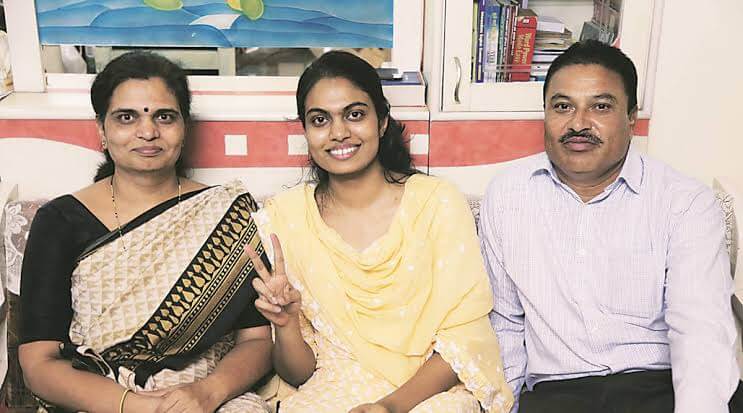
x=389, y=73
x=508, y=40
x=523, y=49
x=565, y=34
x=550, y=24
x=502, y=30
x=475, y=33
x=479, y=73
x=550, y=41
x=512, y=20
x=493, y=17
x=406, y=78
x=544, y=57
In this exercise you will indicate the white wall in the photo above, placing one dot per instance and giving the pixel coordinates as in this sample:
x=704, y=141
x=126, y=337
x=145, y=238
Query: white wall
x=698, y=101
x=46, y=169
x=695, y=121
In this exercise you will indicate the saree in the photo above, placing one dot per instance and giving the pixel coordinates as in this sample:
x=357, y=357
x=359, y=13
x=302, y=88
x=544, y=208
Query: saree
x=156, y=307
x=373, y=317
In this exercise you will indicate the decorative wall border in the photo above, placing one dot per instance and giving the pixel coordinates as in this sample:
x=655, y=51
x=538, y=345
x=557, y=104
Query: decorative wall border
x=223, y=144
x=484, y=142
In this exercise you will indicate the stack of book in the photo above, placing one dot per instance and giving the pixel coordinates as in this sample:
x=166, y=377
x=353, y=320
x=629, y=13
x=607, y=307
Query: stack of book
x=502, y=40
x=552, y=39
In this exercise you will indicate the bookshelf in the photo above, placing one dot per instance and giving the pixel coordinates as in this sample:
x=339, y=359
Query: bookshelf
x=449, y=46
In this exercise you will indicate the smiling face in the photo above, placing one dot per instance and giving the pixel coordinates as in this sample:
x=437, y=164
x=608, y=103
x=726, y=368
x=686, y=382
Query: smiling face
x=342, y=127
x=587, y=129
x=143, y=129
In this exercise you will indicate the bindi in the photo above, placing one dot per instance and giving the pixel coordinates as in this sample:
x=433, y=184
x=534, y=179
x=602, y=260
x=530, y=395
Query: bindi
x=146, y=109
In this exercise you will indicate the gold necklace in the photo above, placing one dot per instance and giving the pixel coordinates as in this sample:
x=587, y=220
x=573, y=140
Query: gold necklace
x=116, y=210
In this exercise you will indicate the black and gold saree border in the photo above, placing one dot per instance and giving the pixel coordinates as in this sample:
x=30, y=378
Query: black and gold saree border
x=202, y=305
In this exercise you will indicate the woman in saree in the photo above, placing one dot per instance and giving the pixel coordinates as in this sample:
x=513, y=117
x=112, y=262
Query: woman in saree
x=378, y=294
x=136, y=292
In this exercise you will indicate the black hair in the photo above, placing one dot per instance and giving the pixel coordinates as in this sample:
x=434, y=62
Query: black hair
x=594, y=52
x=139, y=65
x=393, y=153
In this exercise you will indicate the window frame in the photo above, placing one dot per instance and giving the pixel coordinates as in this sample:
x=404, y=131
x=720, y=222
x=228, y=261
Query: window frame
x=29, y=76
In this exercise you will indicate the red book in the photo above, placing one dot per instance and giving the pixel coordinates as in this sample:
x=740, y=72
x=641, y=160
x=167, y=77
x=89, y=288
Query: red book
x=523, y=48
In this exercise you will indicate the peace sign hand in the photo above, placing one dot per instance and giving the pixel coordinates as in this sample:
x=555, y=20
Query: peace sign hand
x=277, y=300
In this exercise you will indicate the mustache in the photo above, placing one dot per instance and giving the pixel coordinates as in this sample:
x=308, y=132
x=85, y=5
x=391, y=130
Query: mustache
x=582, y=134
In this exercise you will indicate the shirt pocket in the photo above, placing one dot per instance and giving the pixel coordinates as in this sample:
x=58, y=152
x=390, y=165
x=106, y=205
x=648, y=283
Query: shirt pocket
x=632, y=285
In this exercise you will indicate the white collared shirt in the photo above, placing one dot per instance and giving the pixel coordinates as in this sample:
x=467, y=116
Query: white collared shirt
x=638, y=278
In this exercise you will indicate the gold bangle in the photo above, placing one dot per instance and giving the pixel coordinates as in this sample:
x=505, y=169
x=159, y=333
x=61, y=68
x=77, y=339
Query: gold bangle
x=123, y=397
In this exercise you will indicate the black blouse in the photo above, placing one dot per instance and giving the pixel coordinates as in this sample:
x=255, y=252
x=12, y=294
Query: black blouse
x=61, y=230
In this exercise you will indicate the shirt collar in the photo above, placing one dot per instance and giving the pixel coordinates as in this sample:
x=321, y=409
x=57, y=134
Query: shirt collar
x=542, y=165
x=631, y=173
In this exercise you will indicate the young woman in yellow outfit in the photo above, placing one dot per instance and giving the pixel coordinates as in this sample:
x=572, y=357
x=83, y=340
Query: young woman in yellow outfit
x=379, y=297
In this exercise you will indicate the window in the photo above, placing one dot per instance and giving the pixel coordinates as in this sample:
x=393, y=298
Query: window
x=261, y=64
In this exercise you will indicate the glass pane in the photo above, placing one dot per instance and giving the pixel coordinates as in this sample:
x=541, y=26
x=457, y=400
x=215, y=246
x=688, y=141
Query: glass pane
x=254, y=61
x=225, y=37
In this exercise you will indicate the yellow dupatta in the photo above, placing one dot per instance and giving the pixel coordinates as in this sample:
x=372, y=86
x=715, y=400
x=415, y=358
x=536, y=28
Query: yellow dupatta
x=419, y=288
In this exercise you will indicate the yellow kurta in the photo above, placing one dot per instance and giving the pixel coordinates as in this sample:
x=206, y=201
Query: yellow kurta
x=376, y=316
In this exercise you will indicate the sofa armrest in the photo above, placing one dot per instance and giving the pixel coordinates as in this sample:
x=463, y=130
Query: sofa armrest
x=729, y=192
x=14, y=229
x=8, y=192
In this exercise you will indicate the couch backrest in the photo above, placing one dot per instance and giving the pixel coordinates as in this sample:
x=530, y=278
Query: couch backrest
x=18, y=217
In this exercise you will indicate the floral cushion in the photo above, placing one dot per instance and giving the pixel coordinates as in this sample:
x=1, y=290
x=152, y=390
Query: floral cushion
x=18, y=216
x=17, y=221
x=732, y=233
x=474, y=202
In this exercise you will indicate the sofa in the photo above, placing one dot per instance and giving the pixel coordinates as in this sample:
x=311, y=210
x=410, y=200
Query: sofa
x=18, y=215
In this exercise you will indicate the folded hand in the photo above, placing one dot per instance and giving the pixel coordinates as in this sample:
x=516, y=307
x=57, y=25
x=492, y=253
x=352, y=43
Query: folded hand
x=184, y=398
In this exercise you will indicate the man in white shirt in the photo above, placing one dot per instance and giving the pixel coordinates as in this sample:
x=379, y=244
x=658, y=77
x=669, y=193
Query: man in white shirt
x=609, y=269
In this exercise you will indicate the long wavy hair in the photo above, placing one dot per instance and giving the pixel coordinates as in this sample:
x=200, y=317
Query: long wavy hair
x=393, y=153
x=139, y=65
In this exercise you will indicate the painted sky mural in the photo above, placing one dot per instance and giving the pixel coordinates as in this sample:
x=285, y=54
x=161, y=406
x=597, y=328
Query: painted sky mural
x=217, y=23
